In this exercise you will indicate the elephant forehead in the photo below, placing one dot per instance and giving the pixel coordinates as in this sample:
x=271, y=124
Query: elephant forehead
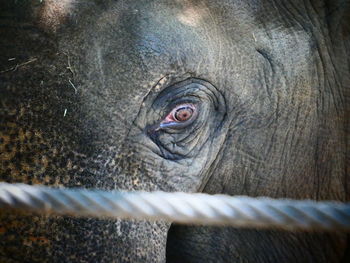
x=144, y=39
x=133, y=48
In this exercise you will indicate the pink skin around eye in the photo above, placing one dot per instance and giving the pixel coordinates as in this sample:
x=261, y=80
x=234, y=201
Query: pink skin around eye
x=169, y=118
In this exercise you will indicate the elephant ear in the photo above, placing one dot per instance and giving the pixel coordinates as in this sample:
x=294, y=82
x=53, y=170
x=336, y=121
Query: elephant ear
x=337, y=15
x=338, y=19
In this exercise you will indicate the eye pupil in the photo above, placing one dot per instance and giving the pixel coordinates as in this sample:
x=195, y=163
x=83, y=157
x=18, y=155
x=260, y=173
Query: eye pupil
x=183, y=114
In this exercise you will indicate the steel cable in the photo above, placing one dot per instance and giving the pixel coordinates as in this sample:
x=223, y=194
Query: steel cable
x=238, y=211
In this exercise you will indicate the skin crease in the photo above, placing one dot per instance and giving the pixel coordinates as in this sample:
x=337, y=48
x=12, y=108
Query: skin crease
x=84, y=84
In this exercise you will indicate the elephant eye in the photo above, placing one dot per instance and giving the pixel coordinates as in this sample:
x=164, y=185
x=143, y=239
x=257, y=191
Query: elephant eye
x=180, y=117
x=182, y=113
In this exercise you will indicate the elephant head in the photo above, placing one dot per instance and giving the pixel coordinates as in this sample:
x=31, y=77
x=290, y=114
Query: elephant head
x=235, y=97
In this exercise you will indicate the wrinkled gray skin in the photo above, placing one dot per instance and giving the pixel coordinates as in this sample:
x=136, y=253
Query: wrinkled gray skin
x=94, y=79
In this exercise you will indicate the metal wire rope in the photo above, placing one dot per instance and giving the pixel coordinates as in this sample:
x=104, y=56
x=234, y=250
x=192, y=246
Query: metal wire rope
x=238, y=211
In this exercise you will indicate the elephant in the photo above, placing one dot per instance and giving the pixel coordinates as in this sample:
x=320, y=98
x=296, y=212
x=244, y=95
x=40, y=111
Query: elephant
x=221, y=97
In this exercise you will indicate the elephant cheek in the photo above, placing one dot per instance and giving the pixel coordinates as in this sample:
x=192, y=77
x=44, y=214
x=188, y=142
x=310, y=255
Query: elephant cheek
x=143, y=241
x=66, y=239
x=105, y=240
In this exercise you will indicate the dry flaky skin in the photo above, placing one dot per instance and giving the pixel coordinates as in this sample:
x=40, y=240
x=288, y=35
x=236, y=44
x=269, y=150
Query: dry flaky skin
x=77, y=83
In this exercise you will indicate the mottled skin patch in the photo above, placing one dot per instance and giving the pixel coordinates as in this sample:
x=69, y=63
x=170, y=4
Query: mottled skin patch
x=79, y=87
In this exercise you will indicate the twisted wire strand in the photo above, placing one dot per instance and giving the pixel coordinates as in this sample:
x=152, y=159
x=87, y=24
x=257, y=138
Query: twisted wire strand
x=238, y=211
